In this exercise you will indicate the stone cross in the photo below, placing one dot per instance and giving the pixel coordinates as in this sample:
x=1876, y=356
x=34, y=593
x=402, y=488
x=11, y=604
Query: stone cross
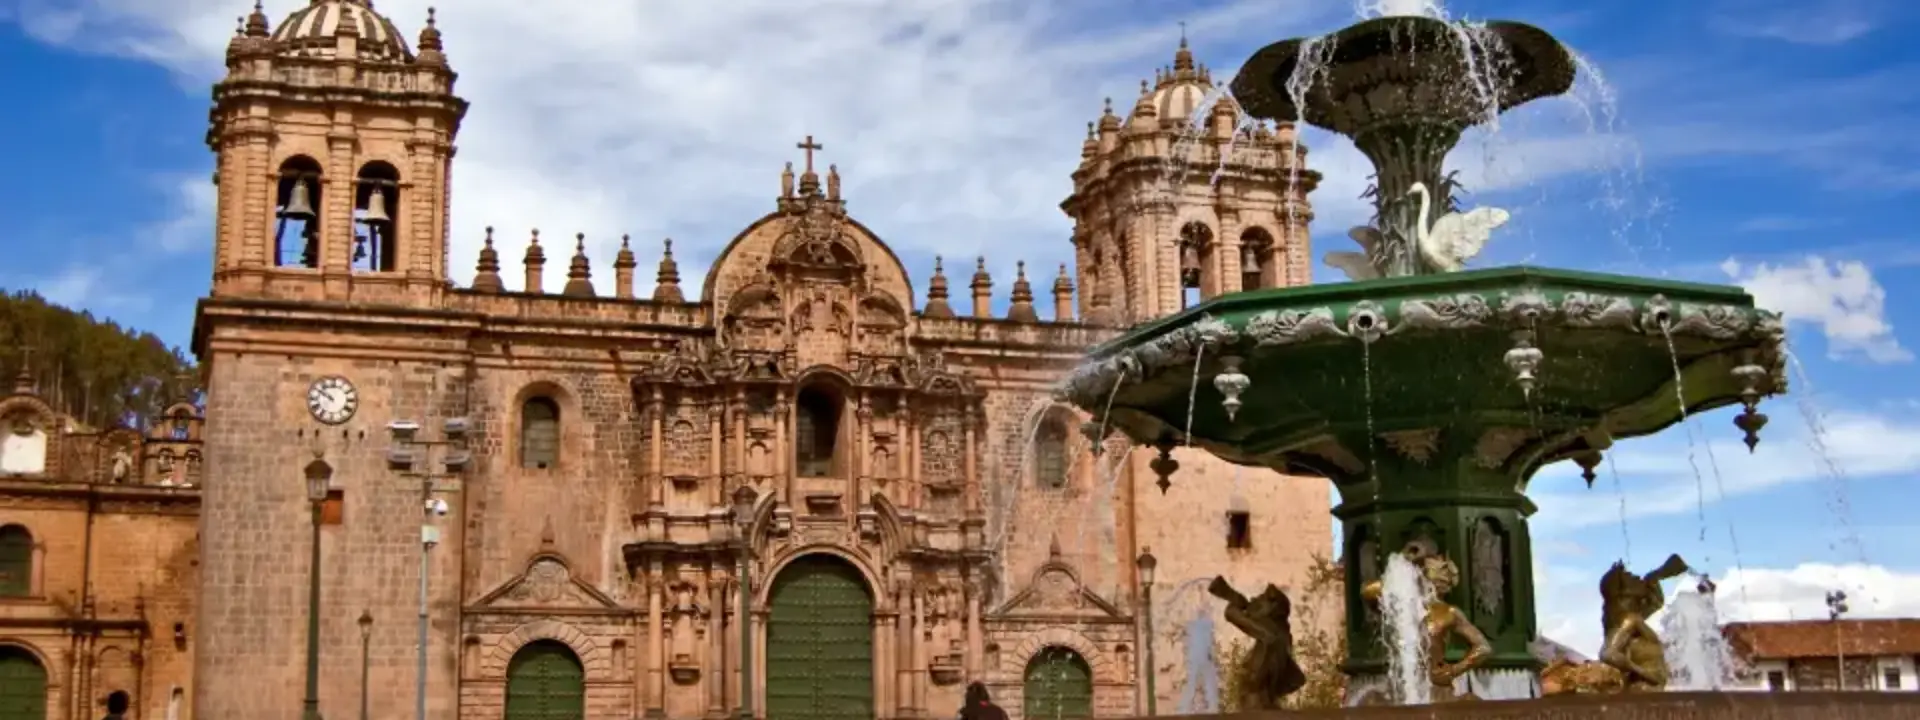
x=809, y=145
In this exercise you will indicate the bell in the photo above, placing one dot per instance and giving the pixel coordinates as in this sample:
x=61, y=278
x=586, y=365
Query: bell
x=377, y=207
x=299, y=206
x=1249, y=260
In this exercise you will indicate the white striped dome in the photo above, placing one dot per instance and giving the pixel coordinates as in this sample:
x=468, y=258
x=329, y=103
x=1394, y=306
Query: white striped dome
x=309, y=31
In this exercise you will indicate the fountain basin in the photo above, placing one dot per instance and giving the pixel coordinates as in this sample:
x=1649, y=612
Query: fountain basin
x=1431, y=400
x=1387, y=69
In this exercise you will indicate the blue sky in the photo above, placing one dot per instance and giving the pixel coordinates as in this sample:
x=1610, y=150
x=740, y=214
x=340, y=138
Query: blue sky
x=1764, y=142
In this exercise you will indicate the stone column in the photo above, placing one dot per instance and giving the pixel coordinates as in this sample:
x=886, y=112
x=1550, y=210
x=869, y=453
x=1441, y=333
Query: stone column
x=920, y=636
x=863, y=448
x=976, y=639
x=656, y=641
x=910, y=495
x=903, y=647
x=739, y=435
x=1226, y=257
x=656, y=472
x=881, y=665
x=972, y=465
x=716, y=410
x=783, y=462
x=716, y=665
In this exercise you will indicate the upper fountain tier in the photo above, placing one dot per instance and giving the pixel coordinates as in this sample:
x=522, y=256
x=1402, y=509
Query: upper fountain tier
x=1395, y=71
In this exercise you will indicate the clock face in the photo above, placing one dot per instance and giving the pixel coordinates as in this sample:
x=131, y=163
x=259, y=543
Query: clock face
x=332, y=400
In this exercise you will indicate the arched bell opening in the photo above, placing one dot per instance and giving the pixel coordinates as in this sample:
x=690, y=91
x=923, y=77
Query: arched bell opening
x=376, y=204
x=1198, y=281
x=296, y=235
x=1257, y=268
x=820, y=436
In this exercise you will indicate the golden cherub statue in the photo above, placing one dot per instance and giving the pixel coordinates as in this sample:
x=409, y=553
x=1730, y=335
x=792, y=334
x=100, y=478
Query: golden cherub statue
x=1443, y=622
x=1633, y=659
x=1271, y=671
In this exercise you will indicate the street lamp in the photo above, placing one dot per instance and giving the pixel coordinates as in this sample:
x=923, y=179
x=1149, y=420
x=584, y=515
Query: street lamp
x=319, y=481
x=1836, y=607
x=366, y=634
x=403, y=455
x=1146, y=563
x=744, y=499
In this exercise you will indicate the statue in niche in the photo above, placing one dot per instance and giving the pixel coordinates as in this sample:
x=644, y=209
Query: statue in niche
x=1633, y=659
x=1490, y=571
x=1443, y=622
x=122, y=465
x=1270, y=672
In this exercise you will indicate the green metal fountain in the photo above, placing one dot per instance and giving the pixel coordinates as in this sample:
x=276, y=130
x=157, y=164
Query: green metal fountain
x=1429, y=394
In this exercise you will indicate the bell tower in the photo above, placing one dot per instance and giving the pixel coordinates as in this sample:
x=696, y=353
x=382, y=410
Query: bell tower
x=1180, y=201
x=334, y=144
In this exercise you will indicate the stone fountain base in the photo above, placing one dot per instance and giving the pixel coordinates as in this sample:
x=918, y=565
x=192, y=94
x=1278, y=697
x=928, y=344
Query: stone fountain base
x=1644, y=706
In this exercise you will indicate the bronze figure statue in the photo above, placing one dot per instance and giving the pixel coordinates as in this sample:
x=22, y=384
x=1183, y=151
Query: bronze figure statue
x=1443, y=623
x=1633, y=659
x=1271, y=673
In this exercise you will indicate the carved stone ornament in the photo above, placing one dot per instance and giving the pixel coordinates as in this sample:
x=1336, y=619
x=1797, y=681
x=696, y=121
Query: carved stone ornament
x=1416, y=445
x=1490, y=568
x=1497, y=445
x=546, y=583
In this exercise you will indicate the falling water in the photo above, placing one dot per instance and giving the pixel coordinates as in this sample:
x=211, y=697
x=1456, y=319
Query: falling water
x=1680, y=398
x=1817, y=442
x=1696, y=652
x=1620, y=492
x=1200, y=690
x=1404, y=594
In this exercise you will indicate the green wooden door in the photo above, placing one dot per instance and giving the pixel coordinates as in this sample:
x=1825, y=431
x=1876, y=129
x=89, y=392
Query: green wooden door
x=23, y=686
x=820, y=643
x=1059, y=685
x=546, y=682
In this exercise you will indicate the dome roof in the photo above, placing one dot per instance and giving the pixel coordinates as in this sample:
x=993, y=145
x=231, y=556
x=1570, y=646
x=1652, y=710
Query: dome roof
x=310, y=31
x=1182, y=89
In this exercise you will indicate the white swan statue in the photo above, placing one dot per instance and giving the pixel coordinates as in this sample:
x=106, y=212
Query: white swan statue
x=1454, y=238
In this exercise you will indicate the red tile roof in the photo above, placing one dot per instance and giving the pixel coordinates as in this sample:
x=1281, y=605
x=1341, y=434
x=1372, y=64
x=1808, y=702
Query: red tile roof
x=1824, y=638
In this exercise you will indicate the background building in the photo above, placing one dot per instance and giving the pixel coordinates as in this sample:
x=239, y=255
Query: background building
x=1810, y=654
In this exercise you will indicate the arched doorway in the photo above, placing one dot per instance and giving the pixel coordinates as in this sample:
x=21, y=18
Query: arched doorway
x=23, y=685
x=545, y=681
x=1059, y=684
x=820, y=642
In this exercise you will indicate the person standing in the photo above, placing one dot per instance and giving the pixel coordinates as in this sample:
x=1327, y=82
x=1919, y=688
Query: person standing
x=979, y=706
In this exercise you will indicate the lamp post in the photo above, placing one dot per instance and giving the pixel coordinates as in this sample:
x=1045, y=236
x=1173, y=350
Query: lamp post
x=744, y=499
x=366, y=634
x=1146, y=563
x=408, y=452
x=1836, y=607
x=319, y=481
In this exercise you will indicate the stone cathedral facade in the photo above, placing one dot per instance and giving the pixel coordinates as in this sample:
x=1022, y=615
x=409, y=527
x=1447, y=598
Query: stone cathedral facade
x=919, y=512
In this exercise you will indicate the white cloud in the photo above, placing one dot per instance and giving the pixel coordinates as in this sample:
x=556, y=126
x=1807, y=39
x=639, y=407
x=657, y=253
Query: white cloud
x=955, y=123
x=1841, y=297
x=1800, y=22
x=187, y=223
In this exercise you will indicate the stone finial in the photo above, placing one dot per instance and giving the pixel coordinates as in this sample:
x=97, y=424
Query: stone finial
x=666, y=288
x=579, y=272
x=1109, y=122
x=1021, y=309
x=937, y=306
x=786, y=182
x=623, y=265
x=536, y=262
x=546, y=533
x=1063, y=296
x=1091, y=146
x=257, y=25
x=1053, y=546
x=833, y=182
x=1143, y=108
x=486, y=275
x=430, y=35
x=982, y=289
x=23, y=380
x=1183, y=57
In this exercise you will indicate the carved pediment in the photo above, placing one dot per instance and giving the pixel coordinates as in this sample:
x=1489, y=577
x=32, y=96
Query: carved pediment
x=1056, y=590
x=928, y=372
x=547, y=584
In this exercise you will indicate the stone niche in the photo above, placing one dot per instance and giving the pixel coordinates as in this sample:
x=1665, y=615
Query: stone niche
x=23, y=445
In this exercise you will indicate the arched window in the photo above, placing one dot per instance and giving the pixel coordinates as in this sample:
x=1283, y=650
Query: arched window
x=1059, y=684
x=376, y=212
x=816, y=432
x=539, y=433
x=1050, y=451
x=16, y=561
x=296, y=239
x=23, y=684
x=545, y=681
x=1257, y=268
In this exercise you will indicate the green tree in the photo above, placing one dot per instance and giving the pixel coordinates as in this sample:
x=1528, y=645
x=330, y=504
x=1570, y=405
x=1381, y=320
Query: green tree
x=91, y=369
